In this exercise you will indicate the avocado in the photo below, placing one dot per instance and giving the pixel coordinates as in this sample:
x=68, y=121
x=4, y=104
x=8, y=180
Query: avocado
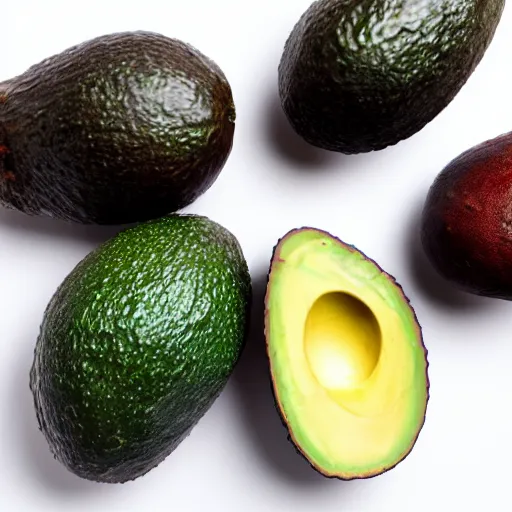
x=348, y=364
x=137, y=343
x=358, y=76
x=122, y=128
x=466, y=223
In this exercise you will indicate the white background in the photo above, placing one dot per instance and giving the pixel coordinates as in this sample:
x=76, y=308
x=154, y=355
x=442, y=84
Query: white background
x=238, y=458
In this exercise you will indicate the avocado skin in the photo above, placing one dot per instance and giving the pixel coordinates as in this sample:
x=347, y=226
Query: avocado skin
x=360, y=75
x=466, y=224
x=122, y=128
x=137, y=343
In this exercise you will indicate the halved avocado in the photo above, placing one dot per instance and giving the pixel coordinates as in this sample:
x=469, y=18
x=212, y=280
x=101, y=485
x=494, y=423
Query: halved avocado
x=346, y=353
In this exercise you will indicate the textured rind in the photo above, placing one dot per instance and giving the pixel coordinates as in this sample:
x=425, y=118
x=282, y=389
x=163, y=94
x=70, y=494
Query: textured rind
x=360, y=75
x=137, y=343
x=119, y=129
x=276, y=258
x=466, y=224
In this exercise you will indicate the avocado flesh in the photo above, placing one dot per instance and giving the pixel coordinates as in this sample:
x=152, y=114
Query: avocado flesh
x=123, y=128
x=137, y=343
x=357, y=76
x=348, y=364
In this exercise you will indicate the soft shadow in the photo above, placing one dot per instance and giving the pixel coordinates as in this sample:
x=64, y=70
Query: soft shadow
x=436, y=289
x=289, y=146
x=35, y=457
x=55, y=228
x=253, y=384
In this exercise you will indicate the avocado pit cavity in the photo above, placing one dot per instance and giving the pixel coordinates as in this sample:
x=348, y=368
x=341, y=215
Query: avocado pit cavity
x=342, y=341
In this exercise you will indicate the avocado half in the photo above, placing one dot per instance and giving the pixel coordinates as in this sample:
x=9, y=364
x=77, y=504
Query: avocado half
x=346, y=353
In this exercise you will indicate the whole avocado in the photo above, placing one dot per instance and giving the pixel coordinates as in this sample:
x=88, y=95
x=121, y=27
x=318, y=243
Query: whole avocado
x=137, y=343
x=466, y=224
x=123, y=128
x=360, y=75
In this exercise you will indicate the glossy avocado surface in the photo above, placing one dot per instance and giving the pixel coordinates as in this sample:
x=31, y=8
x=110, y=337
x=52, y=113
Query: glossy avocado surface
x=137, y=343
x=360, y=75
x=466, y=226
x=119, y=129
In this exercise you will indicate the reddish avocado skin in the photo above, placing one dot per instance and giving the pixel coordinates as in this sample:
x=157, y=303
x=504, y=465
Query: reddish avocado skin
x=466, y=225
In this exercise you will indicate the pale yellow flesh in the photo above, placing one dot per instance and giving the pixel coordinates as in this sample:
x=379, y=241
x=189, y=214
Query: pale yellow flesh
x=348, y=366
x=342, y=341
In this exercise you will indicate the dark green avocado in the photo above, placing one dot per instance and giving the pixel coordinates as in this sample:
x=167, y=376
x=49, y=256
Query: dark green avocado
x=119, y=129
x=360, y=75
x=137, y=343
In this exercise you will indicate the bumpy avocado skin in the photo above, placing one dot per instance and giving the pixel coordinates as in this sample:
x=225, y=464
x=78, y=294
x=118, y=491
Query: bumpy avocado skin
x=466, y=223
x=137, y=343
x=122, y=128
x=360, y=75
